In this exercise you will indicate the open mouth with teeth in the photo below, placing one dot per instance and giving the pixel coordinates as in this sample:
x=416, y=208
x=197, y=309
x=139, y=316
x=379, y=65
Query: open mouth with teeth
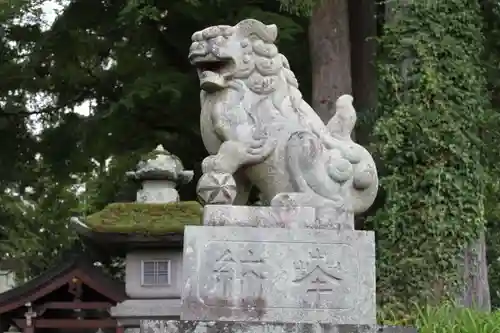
x=212, y=66
x=213, y=72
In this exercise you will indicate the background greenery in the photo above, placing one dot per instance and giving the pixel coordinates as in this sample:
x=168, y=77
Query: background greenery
x=446, y=318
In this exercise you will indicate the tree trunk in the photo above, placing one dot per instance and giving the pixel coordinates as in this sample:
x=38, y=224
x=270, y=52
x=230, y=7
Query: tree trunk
x=330, y=55
x=476, y=291
x=363, y=31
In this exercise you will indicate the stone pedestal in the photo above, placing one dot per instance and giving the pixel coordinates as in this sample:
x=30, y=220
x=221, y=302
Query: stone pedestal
x=176, y=326
x=287, y=272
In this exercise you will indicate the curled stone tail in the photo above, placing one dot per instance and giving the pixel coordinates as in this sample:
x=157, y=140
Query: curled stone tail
x=307, y=166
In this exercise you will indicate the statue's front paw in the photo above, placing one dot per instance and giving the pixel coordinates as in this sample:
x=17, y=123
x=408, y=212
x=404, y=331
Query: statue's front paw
x=220, y=163
x=259, y=149
x=234, y=154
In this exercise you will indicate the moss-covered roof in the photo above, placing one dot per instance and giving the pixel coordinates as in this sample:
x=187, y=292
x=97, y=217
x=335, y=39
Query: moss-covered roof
x=152, y=219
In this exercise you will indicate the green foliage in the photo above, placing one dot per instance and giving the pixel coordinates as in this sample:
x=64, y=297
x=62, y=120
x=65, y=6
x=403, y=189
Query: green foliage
x=447, y=318
x=146, y=218
x=129, y=59
x=300, y=7
x=434, y=107
x=451, y=319
x=38, y=233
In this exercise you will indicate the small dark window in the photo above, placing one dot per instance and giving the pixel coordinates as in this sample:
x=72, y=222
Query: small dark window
x=155, y=272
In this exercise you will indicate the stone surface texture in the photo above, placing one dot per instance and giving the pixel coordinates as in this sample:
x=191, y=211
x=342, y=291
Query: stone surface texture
x=160, y=174
x=283, y=275
x=293, y=217
x=157, y=191
x=162, y=165
x=257, y=127
x=132, y=330
x=174, y=326
x=147, y=308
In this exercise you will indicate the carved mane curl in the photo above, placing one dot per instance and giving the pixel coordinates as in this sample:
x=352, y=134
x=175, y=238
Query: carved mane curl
x=273, y=79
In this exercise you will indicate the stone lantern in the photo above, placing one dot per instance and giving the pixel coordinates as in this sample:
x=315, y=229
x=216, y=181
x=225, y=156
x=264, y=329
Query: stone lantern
x=149, y=234
x=160, y=174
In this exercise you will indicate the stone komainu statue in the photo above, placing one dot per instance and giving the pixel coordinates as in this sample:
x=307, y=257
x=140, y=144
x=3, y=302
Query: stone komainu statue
x=257, y=127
